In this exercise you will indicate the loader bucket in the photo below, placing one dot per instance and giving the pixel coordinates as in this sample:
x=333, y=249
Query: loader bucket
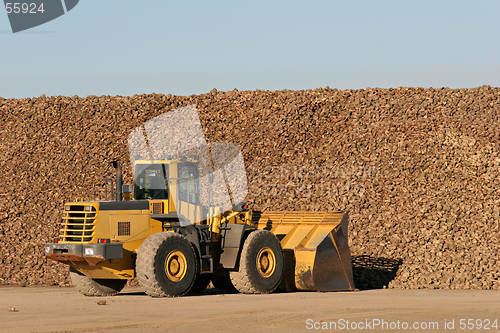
x=315, y=249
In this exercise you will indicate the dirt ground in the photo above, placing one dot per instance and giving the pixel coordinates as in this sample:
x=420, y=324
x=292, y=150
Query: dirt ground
x=53, y=309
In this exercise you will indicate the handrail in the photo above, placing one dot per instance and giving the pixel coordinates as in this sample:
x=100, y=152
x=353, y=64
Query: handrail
x=106, y=181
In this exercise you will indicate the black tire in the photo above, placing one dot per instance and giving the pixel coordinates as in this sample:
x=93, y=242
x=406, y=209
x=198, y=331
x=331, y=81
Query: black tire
x=95, y=287
x=166, y=265
x=261, y=264
x=221, y=279
x=200, y=283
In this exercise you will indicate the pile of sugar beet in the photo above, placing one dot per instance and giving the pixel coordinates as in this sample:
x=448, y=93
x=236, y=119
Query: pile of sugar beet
x=416, y=169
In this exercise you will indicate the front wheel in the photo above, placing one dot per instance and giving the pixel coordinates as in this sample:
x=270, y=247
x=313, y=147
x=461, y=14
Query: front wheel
x=95, y=287
x=261, y=264
x=166, y=265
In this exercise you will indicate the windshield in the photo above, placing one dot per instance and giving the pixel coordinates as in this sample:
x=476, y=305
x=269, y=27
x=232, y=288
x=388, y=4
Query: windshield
x=151, y=182
x=188, y=183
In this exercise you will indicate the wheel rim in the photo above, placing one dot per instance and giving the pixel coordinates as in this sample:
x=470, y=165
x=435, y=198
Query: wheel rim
x=266, y=262
x=176, y=266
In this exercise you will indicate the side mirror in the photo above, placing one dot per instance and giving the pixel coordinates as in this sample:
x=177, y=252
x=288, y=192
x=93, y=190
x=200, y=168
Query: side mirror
x=127, y=192
x=128, y=188
x=211, y=178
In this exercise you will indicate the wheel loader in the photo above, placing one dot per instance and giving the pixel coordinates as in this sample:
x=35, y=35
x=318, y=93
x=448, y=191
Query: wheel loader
x=166, y=231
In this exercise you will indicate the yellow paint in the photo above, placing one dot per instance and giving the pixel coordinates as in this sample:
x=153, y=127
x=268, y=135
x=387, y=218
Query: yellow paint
x=109, y=269
x=176, y=266
x=300, y=234
x=266, y=262
x=105, y=226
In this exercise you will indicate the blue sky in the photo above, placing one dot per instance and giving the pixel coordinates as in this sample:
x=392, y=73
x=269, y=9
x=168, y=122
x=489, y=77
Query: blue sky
x=124, y=47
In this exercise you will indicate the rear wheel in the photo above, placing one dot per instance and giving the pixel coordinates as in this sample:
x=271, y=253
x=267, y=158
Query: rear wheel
x=261, y=264
x=166, y=265
x=95, y=287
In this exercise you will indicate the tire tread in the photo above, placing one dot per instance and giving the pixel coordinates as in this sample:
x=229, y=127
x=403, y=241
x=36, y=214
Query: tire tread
x=91, y=287
x=241, y=279
x=145, y=264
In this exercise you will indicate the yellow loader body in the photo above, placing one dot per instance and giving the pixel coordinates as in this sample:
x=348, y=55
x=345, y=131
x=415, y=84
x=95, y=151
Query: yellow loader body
x=102, y=241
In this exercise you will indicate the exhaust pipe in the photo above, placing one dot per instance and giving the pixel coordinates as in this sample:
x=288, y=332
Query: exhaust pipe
x=119, y=181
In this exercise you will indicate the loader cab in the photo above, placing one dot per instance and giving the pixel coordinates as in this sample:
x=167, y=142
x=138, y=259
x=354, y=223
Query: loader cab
x=171, y=186
x=167, y=180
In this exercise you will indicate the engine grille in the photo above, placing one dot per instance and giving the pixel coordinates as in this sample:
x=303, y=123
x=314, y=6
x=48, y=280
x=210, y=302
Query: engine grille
x=123, y=228
x=78, y=225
